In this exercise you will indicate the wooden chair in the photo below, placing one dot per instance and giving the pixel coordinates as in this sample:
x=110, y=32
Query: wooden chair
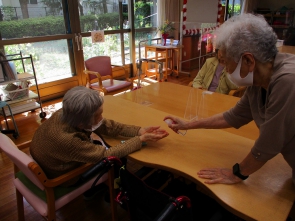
x=100, y=78
x=43, y=194
x=236, y=93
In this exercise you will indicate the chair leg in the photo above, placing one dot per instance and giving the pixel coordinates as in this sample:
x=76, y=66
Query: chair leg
x=112, y=194
x=20, y=206
x=51, y=216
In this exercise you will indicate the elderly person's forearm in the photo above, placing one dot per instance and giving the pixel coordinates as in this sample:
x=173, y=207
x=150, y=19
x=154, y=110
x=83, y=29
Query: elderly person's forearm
x=215, y=122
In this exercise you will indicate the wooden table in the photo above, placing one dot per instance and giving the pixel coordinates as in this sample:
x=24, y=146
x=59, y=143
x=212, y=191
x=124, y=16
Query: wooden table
x=178, y=100
x=267, y=194
x=171, y=53
x=287, y=49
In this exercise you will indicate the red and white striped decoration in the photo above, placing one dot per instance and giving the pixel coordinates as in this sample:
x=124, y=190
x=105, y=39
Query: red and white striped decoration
x=197, y=31
x=219, y=12
x=185, y=31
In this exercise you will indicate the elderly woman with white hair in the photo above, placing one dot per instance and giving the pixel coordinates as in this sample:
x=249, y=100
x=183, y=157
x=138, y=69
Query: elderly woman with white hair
x=63, y=142
x=248, y=46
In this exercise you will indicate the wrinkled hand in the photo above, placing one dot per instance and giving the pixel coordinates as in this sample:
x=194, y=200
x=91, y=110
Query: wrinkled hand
x=152, y=133
x=218, y=175
x=144, y=130
x=177, y=124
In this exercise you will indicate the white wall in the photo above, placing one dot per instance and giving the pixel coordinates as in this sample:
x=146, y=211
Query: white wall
x=200, y=11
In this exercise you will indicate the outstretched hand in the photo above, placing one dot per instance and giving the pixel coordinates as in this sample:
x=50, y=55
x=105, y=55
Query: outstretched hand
x=152, y=133
x=218, y=175
x=176, y=124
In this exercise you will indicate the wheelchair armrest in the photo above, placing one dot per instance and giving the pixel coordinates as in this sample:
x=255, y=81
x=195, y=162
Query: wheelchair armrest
x=36, y=169
x=39, y=173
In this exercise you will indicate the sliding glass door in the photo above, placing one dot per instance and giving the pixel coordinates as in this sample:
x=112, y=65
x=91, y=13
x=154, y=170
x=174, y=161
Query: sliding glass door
x=58, y=35
x=42, y=29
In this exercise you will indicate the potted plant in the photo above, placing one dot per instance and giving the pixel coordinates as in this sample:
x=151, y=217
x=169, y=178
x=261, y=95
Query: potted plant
x=165, y=29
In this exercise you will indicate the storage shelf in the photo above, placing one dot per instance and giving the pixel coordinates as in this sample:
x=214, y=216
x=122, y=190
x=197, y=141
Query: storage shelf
x=21, y=108
x=278, y=20
x=160, y=59
x=28, y=101
x=280, y=26
x=21, y=77
x=32, y=95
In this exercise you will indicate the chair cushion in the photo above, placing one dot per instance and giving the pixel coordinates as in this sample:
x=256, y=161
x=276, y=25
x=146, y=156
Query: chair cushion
x=113, y=85
x=58, y=191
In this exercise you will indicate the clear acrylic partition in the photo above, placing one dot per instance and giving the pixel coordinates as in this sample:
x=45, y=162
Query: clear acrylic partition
x=141, y=97
x=196, y=107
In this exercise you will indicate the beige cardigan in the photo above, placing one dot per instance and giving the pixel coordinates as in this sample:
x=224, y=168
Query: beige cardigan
x=59, y=148
x=206, y=74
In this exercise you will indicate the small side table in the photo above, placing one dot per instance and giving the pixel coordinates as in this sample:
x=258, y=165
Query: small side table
x=164, y=54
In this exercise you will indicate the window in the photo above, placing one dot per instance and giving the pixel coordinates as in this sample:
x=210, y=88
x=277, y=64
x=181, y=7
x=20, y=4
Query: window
x=33, y=2
x=234, y=7
x=59, y=41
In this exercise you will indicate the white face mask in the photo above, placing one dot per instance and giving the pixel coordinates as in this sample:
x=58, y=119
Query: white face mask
x=235, y=77
x=94, y=127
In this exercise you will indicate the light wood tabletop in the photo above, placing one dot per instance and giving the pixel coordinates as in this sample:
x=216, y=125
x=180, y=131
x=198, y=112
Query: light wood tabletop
x=182, y=101
x=268, y=194
x=287, y=49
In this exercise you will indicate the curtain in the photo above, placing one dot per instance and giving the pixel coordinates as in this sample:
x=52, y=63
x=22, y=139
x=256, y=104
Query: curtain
x=173, y=14
x=249, y=6
x=161, y=11
x=169, y=10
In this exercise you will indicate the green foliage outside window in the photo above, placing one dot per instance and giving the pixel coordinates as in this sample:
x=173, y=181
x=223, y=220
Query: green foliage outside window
x=52, y=25
x=143, y=14
x=55, y=53
x=7, y=13
x=236, y=10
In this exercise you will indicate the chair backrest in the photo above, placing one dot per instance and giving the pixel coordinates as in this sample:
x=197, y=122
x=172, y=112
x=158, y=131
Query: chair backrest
x=100, y=64
x=19, y=158
x=238, y=92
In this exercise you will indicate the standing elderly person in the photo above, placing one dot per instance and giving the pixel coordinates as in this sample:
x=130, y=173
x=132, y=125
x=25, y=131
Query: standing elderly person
x=63, y=142
x=248, y=45
x=213, y=76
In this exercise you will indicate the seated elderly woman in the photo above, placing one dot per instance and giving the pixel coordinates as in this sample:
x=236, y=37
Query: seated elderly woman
x=248, y=45
x=213, y=76
x=63, y=142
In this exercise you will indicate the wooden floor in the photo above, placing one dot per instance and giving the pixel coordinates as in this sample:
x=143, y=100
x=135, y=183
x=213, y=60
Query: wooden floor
x=79, y=209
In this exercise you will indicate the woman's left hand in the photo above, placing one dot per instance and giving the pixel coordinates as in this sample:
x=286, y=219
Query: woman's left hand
x=152, y=133
x=144, y=130
x=218, y=175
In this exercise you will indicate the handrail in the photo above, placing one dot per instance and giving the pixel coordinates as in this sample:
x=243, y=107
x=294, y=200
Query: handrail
x=140, y=60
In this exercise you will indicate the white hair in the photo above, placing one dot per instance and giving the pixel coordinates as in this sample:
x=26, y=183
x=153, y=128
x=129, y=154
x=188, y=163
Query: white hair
x=79, y=106
x=246, y=33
